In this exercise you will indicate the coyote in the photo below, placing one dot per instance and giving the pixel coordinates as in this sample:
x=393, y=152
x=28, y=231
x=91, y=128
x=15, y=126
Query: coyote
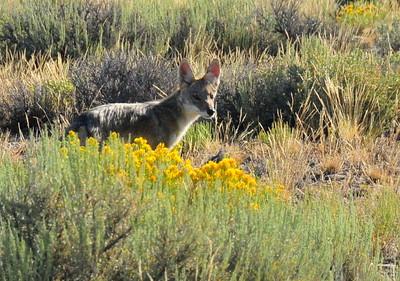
x=161, y=121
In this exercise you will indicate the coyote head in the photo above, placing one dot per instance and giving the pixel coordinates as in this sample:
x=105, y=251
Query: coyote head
x=198, y=95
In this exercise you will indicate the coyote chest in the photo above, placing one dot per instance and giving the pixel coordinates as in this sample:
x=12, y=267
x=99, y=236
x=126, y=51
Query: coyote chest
x=163, y=121
x=183, y=126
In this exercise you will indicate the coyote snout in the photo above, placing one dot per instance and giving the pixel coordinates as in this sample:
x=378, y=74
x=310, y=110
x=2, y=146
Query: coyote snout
x=162, y=121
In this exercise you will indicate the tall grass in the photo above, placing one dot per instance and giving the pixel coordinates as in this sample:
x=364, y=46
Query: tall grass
x=350, y=86
x=73, y=28
x=164, y=27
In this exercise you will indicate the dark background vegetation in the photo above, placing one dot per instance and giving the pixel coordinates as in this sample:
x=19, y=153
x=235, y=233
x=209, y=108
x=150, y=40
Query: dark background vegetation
x=123, y=53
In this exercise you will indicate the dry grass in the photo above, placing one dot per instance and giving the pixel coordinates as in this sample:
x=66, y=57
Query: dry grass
x=331, y=164
x=12, y=147
x=283, y=156
x=377, y=174
x=22, y=89
x=323, y=10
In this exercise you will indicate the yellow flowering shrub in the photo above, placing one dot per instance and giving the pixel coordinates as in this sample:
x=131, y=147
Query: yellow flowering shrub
x=226, y=174
x=360, y=14
x=137, y=163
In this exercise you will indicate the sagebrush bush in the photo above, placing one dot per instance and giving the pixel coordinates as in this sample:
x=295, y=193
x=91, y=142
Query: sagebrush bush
x=127, y=212
x=388, y=40
x=262, y=90
x=289, y=22
x=74, y=27
x=272, y=92
x=30, y=106
x=34, y=92
x=69, y=28
x=121, y=76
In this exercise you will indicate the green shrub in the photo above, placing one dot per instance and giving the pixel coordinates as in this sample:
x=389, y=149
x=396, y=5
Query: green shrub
x=34, y=105
x=71, y=213
x=55, y=98
x=121, y=76
x=290, y=23
x=72, y=28
x=262, y=91
x=68, y=27
x=272, y=92
x=389, y=38
x=384, y=206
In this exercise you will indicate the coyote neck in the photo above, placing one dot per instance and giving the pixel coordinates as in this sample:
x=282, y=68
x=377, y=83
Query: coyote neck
x=176, y=116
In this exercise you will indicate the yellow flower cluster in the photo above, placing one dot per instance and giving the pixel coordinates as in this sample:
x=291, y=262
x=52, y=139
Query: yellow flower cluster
x=137, y=163
x=226, y=174
x=358, y=12
x=360, y=9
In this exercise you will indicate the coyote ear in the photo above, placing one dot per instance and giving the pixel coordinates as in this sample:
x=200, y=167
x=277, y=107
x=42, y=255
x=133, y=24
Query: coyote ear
x=213, y=71
x=185, y=72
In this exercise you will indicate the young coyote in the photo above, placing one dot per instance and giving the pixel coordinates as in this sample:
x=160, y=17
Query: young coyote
x=161, y=121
